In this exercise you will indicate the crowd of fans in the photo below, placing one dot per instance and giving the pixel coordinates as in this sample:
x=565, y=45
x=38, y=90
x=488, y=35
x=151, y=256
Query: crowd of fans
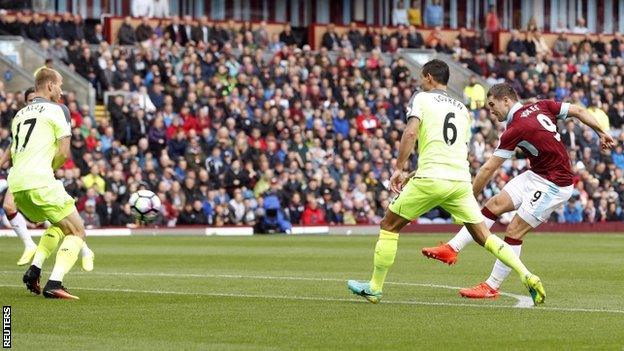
x=216, y=120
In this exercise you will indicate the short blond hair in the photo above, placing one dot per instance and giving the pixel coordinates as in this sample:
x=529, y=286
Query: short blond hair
x=44, y=76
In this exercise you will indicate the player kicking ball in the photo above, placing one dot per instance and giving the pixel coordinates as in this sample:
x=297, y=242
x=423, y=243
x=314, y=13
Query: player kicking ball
x=536, y=193
x=41, y=144
x=441, y=125
x=17, y=221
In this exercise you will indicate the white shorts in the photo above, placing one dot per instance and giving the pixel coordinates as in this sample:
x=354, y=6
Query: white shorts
x=536, y=198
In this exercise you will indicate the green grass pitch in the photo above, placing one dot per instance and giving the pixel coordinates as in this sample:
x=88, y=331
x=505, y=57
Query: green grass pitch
x=289, y=293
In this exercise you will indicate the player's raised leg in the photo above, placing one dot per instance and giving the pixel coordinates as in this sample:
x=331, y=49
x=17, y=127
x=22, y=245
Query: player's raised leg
x=494, y=207
x=464, y=208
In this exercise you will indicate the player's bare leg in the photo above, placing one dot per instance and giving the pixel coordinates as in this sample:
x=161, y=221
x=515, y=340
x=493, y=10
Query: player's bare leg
x=494, y=207
x=516, y=230
x=73, y=228
x=505, y=254
x=18, y=224
x=385, y=252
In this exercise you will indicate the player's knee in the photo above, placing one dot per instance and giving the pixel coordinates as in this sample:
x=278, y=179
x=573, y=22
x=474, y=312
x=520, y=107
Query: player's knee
x=389, y=223
x=495, y=205
x=9, y=207
x=514, y=231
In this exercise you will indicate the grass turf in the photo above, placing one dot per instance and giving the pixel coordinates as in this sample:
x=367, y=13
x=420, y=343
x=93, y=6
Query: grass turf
x=238, y=294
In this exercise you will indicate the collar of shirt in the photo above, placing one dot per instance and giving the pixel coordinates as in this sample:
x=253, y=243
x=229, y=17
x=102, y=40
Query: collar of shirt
x=513, y=110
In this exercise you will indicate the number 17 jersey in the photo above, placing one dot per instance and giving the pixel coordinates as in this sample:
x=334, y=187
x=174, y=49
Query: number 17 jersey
x=443, y=136
x=35, y=132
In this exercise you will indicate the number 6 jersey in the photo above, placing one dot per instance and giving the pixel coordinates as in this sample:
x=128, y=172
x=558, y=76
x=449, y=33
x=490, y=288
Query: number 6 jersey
x=443, y=137
x=533, y=128
x=35, y=132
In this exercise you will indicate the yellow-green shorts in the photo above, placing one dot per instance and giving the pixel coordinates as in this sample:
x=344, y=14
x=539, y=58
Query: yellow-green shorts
x=50, y=203
x=422, y=194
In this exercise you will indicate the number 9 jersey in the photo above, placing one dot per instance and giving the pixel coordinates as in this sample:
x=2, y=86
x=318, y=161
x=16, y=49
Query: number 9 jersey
x=533, y=128
x=443, y=137
x=35, y=132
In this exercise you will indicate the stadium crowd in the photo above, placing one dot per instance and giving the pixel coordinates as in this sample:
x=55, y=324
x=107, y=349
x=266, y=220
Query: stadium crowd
x=216, y=119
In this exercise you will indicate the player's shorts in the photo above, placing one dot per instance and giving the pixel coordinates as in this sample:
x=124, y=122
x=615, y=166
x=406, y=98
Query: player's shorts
x=50, y=203
x=536, y=198
x=422, y=194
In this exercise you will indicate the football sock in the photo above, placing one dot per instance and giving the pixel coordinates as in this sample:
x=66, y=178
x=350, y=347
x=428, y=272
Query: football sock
x=85, y=250
x=48, y=242
x=500, y=270
x=385, y=251
x=18, y=223
x=463, y=237
x=66, y=257
x=505, y=254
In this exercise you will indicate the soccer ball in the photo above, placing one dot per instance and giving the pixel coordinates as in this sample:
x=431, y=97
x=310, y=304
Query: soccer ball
x=145, y=206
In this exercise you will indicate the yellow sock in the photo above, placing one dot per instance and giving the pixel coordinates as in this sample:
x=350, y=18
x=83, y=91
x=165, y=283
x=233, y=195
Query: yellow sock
x=66, y=257
x=385, y=251
x=505, y=254
x=48, y=242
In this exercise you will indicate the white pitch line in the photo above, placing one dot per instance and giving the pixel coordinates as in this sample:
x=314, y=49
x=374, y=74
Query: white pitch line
x=522, y=301
x=327, y=299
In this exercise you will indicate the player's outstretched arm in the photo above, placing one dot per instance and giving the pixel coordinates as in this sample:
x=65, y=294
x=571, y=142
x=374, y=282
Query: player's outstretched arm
x=606, y=141
x=485, y=174
x=6, y=156
x=63, y=153
x=408, y=140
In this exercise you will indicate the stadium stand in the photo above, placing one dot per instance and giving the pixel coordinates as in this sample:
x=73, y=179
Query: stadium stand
x=216, y=123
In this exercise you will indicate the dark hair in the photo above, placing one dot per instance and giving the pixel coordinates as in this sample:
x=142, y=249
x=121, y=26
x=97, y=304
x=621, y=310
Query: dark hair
x=438, y=69
x=28, y=92
x=499, y=91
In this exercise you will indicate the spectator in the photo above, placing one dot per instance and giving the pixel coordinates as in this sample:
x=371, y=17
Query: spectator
x=561, y=28
x=108, y=211
x=434, y=14
x=313, y=215
x=142, y=8
x=474, y=94
x=94, y=179
x=618, y=157
x=35, y=29
x=355, y=36
x=161, y=8
x=492, y=25
x=516, y=45
x=97, y=35
x=89, y=216
x=580, y=27
x=287, y=37
x=52, y=27
x=126, y=35
x=330, y=39
x=399, y=14
x=367, y=122
x=201, y=33
x=187, y=29
x=144, y=31
x=572, y=212
x=175, y=31
x=562, y=45
x=414, y=13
